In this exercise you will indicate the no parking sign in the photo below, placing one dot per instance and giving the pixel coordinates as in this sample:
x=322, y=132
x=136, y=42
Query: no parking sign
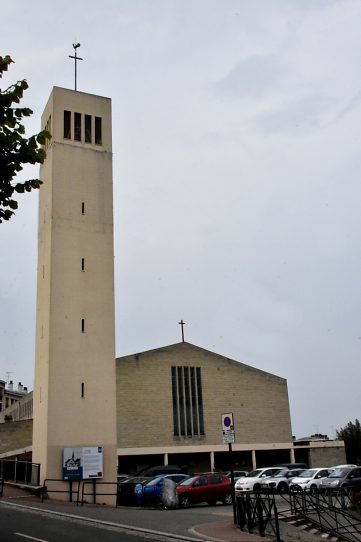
x=228, y=428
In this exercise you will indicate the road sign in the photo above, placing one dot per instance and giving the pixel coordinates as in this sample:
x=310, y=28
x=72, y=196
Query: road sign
x=228, y=428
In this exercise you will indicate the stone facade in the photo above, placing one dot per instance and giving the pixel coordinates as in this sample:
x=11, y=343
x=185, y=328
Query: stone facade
x=146, y=425
x=22, y=409
x=258, y=400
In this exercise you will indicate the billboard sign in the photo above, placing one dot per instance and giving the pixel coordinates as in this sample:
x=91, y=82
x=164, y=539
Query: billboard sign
x=83, y=463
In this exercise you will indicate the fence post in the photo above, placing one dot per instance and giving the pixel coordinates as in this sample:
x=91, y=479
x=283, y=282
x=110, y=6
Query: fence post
x=2, y=484
x=261, y=527
x=277, y=525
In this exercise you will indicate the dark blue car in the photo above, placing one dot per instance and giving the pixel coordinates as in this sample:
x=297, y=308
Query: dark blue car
x=152, y=491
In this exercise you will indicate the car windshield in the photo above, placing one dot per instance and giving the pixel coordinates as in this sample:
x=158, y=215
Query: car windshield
x=339, y=473
x=155, y=481
x=188, y=481
x=281, y=473
x=307, y=473
x=254, y=474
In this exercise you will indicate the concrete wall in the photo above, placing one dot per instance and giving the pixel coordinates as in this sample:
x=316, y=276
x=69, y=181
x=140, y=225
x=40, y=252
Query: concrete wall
x=15, y=435
x=327, y=454
x=75, y=331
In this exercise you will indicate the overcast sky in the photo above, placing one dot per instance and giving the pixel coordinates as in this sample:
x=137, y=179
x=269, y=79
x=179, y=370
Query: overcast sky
x=236, y=140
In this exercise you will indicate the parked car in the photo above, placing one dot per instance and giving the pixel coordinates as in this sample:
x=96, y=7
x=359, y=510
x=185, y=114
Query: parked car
x=292, y=466
x=152, y=491
x=209, y=487
x=309, y=479
x=237, y=474
x=122, y=477
x=341, y=477
x=130, y=490
x=162, y=469
x=253, y=480
x=280, y=482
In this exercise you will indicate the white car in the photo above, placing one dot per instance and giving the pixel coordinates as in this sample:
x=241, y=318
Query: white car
x=309, y=479
x=253, y=480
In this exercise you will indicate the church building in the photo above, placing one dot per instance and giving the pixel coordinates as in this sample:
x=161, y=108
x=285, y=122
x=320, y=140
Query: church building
x=162, y=406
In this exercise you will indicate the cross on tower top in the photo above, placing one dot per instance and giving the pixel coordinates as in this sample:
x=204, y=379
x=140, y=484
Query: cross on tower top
x=76, y=58
x=181, y=323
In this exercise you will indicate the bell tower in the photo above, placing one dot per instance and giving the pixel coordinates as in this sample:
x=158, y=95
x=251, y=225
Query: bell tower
x=75, y=384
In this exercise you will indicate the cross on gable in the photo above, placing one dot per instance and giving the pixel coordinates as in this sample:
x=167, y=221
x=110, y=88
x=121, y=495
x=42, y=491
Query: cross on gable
x=181, y=323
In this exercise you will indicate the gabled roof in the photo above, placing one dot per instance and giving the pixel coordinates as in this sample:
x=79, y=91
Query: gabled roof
x=189, y=348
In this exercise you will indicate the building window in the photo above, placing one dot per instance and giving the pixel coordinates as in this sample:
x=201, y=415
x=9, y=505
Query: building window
x=88, y=129
x=77, y=126
x=188, y=420
x=98, y=130
x=82, y=208
x=82, y=390
x=67, y=125
x=83, y=264
x=82, y=325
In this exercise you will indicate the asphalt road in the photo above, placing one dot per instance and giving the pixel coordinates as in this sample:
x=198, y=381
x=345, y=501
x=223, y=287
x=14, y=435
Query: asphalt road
x=21, y=525
x=23, y=521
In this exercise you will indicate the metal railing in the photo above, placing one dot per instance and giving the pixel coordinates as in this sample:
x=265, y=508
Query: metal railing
x=326, y=511
x=255, y=510
x=69, y=488
x=21, y=472
x=329, y=512
x=94, y=493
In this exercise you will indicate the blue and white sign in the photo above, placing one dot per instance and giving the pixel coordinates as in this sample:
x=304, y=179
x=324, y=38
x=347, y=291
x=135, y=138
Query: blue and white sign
x=228, y=428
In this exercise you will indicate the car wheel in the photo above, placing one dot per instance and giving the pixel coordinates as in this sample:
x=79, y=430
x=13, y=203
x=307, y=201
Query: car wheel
x=227, y=499
x=282, y=487
x=257, y=487
x=313, y=489
x=211, y=503
x=184, y=501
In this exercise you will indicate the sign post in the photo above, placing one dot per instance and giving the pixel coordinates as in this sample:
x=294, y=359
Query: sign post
x=229, y=438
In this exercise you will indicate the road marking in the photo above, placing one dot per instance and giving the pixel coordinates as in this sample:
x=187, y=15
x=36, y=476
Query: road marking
x=31, y=537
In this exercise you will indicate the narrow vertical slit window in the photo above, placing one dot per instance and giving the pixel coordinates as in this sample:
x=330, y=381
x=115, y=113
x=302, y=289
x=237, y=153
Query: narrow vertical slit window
x=83, y=264
x=83, y=325
x=67, y=125
x=88, y=129
x=82, y=208
x=82, y=389
x=188, y=416
x=98, y=130
x=77, y=126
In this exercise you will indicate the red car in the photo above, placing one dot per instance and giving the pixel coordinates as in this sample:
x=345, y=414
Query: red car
x=210, y=488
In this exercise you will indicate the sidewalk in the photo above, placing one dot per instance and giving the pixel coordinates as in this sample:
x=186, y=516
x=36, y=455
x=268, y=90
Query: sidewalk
x=225, y=531
x=222, y=531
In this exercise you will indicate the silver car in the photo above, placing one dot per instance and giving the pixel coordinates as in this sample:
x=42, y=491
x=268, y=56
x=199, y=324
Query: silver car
x=341, y=477
x=280, y=482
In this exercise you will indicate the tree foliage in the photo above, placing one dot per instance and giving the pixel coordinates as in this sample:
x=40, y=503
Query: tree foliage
x=351, y=435
x=15, y=149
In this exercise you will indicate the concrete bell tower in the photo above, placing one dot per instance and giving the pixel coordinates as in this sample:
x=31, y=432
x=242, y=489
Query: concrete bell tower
x=75, y=381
